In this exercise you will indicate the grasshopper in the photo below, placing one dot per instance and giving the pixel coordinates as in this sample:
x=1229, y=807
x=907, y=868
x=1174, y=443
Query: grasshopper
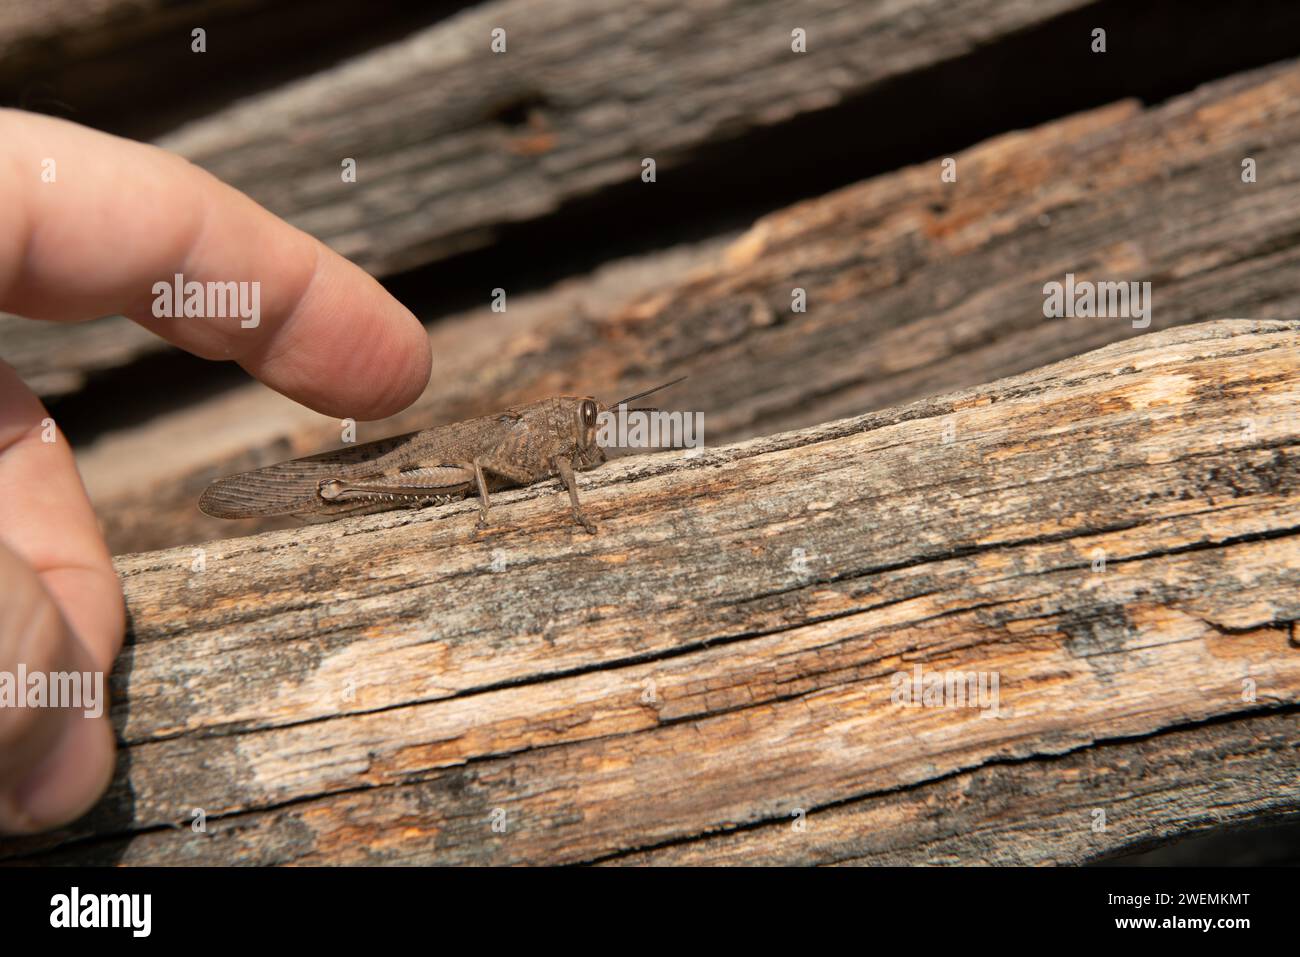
x=520, y=446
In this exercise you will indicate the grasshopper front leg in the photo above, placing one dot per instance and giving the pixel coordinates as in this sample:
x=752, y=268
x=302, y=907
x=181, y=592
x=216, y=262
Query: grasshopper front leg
x=565, y=468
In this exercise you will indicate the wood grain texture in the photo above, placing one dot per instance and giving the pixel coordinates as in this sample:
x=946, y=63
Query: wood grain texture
x=914, y=287
x=376, y=690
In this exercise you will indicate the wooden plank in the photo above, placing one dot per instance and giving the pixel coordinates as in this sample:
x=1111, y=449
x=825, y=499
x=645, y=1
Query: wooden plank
x=914, y=286
x=724, y=650
x=454, y=140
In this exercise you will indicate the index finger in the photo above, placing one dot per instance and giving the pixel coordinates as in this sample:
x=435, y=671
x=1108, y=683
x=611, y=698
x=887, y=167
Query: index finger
x=94, y=222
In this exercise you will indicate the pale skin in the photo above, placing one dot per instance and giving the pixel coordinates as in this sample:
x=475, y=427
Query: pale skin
x=119, y=217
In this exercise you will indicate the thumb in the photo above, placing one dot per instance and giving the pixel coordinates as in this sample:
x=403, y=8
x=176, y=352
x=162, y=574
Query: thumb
x=55, y=762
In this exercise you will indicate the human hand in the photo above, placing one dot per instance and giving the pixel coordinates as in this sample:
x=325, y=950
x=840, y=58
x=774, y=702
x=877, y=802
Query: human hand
x=118, y=217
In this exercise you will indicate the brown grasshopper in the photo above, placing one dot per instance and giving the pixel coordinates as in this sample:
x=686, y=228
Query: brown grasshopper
x=520, y=446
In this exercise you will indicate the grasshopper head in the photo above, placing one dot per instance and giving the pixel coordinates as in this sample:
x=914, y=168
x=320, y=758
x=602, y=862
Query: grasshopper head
x=587, y=452
x=592, y=423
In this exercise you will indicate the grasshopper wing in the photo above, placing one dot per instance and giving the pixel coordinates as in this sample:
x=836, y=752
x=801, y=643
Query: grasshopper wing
x=293, y=487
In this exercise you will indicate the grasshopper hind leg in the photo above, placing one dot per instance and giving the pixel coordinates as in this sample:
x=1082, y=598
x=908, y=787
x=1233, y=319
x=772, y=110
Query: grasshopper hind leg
x=414, y=488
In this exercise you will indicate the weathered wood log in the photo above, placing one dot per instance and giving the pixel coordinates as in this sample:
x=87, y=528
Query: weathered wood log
x=1115, y=537
x=914, y=286
x=867, y=67
x=454, y=139
x=546, y=119
x=456, y=142
x=78, y=350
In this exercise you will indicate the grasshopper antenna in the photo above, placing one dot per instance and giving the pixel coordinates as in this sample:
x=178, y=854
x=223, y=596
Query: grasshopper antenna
x=642, y=395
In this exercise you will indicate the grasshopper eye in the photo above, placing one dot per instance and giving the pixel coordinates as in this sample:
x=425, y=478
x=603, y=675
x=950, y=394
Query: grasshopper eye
x=588, y=413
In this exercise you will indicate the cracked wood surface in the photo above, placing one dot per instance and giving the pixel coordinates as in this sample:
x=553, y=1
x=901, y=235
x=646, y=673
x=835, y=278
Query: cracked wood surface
x=721, y=653
x=1044, y=811
x=915, y=287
